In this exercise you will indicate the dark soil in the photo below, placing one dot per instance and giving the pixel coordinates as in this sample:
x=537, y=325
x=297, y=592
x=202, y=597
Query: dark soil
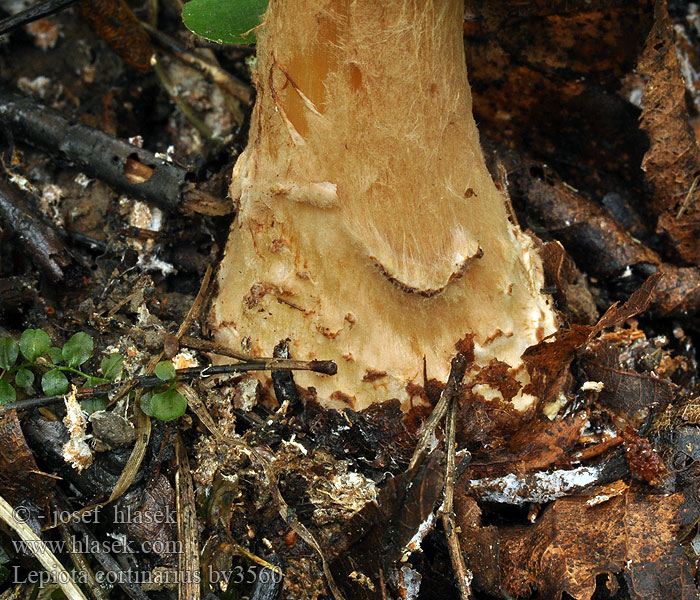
x=559, y=93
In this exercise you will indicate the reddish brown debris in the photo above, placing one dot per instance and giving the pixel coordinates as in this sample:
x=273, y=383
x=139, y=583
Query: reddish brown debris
x=116, y=24
x=643, y=461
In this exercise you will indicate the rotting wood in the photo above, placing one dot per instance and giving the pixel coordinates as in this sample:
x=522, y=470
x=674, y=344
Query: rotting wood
x=120, y=164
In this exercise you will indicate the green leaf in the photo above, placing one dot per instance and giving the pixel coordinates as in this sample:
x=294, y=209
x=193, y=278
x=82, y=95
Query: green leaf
x=165, y=370
x=54, y=383
x=77, y=349
x=224, y=21
x=91, y=405
x=145, y=403
x=111, y=366
x=169, y=405
x=55, y=355
x=8, y=352
x=24, y=378
x=34, y=343
x=8, y=394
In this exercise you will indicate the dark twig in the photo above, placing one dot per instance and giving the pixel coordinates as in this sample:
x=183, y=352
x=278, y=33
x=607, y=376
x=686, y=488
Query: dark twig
x=41, y=241
x=33, y=13
x=132, y=170
x=327, y=367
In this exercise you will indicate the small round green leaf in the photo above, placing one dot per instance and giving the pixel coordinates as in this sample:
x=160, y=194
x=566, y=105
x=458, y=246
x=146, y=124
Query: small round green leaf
x=111, y=366
x=165, y=370
x=145, y=403
x=24, y=378
x=54, y=383
x=9, y=351
x=91, y=405
x=34, y=343
x=7, y=393
x=55, y=355
x=77, y=349
x=224, y=21
x=169, y=405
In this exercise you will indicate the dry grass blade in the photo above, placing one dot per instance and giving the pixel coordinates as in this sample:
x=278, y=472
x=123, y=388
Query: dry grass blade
x=37, y=546
x=188, y=558
x=143, y=435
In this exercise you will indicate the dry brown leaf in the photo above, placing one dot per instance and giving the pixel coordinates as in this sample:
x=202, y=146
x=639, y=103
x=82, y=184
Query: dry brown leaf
x=672, y=163
x=573, y=542
x=628, y=394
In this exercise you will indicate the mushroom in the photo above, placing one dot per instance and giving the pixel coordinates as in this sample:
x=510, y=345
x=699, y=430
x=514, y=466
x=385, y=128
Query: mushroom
x=369, y=230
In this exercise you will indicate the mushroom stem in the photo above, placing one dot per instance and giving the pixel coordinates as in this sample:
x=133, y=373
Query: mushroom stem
x=369, y=230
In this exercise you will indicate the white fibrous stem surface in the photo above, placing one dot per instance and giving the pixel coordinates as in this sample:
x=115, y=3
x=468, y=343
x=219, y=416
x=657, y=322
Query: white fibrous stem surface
x=369, y=230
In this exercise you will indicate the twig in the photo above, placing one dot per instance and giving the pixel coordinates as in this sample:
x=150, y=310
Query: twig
x=213, y=347
x=131, y=469
x=196, y=308
x=326, y=367
x=457, y=369
x=463, y=575
x=132, y=170
x=231, y=84
x=33, y=13
x=686, y=201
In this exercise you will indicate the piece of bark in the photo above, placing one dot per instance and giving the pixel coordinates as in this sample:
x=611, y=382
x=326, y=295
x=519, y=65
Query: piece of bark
x=571, y=293
x=672, y=163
